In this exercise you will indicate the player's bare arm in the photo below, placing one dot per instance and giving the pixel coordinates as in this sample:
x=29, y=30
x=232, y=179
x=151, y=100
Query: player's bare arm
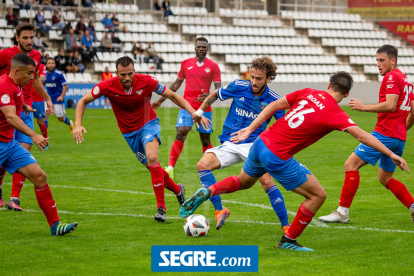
x=212, y=97
x=64, y=90
x=371, y=141
x=38, y=86
x=173, y=87
x=204, y=96
x=80, y=110
x=27, y=109
x=388, y=106
x=14, y=120
x=410, y=118
x=178, y=100
x=244, y=133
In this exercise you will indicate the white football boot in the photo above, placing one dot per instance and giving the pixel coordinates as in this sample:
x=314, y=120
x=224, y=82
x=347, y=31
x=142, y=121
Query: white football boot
x=335, y=217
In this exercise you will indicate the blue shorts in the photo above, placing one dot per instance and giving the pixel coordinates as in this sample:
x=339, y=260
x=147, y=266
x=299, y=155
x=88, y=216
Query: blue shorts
x=14, y=156
x=185, y=119
x=40, y=112
x=290, y=173
x=138, y=139
x=23, y=138
x=372, y=156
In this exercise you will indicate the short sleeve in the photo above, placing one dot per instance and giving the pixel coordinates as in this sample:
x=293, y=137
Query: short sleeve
x=6, y=97
x=62, y=80
x=341, y=121
x=3, y=58
x=391, y=86
x=152, y=85
x=160, y=89
x=279, y=114
x=291, y=97
x=228, y=91
x=181, y=73
x=99, y=90
x=217, y=74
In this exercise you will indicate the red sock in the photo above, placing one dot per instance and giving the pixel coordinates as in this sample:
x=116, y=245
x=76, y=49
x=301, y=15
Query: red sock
x=228, y=185
x=47, y=204
x=349, y=189
x=206, y=148
x=400, y=191
x=301, y=220
x=157, y=178
x=2, y=174
x=43, y=130
x=169, y=184
x=18, y=181
x=176, y=150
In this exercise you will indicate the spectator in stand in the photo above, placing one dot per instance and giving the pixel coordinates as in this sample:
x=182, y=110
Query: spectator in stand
x=66, y=29
x=117, y=43
x=38, y=44
x=159, y=63
x=69, y=61
x=77, y=66
x=108, y=23
x=80, y=28
x=56, y=22
x=87, y=4
x=92, y=32
x=118, y=24
x=60, y=60
x=69, y=3
x=11, y=19
x=44, y=57
x=105, y=76
x=87, y=40
x=71, y=41
x=167, y=8
x=106, y=43
x=137, y=51
x=23, y=5
x=41, y=22
x=152, y=54
x=87, y=54
x=157, y=5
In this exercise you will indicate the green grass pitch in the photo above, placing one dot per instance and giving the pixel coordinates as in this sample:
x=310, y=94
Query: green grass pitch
x=101, y=185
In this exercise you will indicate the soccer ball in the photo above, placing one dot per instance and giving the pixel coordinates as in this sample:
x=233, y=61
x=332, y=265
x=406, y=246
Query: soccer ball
x=196, y=226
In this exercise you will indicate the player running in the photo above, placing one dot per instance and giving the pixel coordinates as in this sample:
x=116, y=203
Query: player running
x=312, y=115
x=130, y=96
x=25, y=40
x=249, y=99
x=57, y=87
x=39, y=105
x=395, y=102
x=198, y=73
x=13, y=156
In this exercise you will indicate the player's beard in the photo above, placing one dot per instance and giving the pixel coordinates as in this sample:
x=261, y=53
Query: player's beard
x=260, y=89
x=25, y=49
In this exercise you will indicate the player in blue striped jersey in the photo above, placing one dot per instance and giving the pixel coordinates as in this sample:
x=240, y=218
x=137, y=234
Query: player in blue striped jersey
x=249, y=99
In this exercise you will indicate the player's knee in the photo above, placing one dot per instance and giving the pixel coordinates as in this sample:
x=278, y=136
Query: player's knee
x=266, y=184
x=321, y=196
x=349, y=166
x=152, y=158
x=384, y=179
x=40, y=179
x=181, y=136
x=61, y=118
x=203, y=165
x=205, y=142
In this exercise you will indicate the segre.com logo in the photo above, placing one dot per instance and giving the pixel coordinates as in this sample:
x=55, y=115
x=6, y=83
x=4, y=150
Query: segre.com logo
x=204, y=258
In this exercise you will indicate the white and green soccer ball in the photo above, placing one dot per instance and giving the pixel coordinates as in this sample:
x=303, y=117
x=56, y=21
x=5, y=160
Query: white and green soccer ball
x=196, y=226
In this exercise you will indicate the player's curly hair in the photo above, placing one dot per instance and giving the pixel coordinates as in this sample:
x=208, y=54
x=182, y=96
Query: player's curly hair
x=24, y=27
x=265, y=64
x=341, y=82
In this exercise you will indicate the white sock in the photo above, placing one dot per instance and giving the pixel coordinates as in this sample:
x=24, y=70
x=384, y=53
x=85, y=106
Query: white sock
x=170, y=167
x=343, y=210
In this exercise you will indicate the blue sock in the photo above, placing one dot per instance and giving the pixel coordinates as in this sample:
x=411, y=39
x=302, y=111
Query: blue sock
x=278, y=204
x=207, y=179
x=66, y=121
x=46, y=121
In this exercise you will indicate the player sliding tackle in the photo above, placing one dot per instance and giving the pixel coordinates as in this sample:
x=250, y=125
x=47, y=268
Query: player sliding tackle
x=249, y=99
x=313, y=114
x=13, y=156
x=130, y=96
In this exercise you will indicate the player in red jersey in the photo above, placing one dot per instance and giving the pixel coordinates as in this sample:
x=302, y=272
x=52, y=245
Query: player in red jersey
x=13, y=156
x=25, y=39
x=130, y=96
x=39, y=104
x=198, y=73
x=396, y=101
x=312, y=115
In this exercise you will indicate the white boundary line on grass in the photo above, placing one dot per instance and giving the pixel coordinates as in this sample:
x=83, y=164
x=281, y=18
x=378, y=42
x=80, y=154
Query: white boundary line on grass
x=315, y=221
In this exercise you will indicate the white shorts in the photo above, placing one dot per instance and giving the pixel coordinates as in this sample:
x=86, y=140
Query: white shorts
x=59, y=110
x=230, y=154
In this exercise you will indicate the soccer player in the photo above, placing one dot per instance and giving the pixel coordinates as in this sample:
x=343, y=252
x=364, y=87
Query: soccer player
x=13, y=156
x=312, y=115
x=39, y=105
x=56, y=87
x=395, y=102
x=130, y=96
x=25, y=40
x=249, y=99
x=198, y=73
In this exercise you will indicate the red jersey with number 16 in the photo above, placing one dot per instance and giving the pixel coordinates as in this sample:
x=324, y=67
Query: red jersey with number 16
x=313, y=114
x=35, y=96
x=6, y=56
x=393, y=124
